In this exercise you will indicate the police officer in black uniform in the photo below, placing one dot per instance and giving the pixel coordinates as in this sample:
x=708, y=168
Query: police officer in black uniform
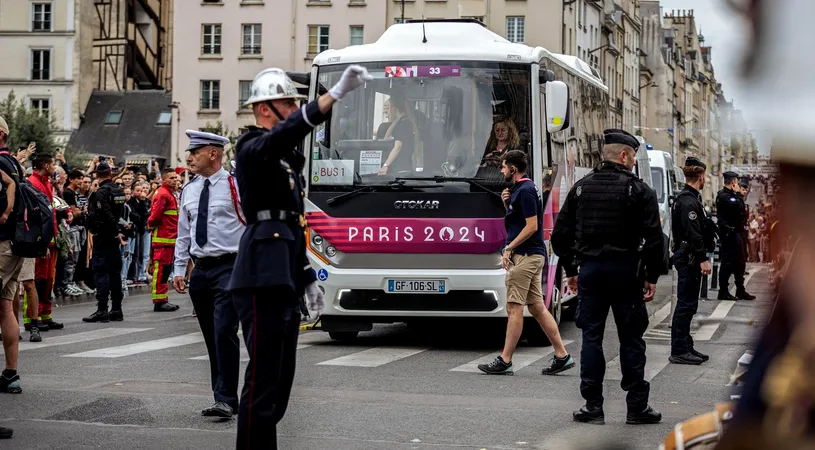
x=609, y=228
x=272, y=272
x=692, y=239
x=732, y=220
x=104, y=213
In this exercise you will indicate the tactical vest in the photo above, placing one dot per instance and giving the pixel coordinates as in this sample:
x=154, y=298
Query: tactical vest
x=604, y=212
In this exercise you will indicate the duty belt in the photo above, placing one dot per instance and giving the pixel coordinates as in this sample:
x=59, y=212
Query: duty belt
x=282, y=216
x=210, y=262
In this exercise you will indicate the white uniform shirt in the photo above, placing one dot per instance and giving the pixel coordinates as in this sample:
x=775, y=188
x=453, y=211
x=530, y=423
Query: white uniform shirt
x=224, y=229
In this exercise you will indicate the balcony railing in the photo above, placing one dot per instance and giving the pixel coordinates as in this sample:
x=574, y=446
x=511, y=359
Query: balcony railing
x=213, y=104
x=213, y=49
x=40, y=74
x=250, y=50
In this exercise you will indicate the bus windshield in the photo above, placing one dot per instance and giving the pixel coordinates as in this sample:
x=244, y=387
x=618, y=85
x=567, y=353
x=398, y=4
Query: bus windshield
x=440, y=121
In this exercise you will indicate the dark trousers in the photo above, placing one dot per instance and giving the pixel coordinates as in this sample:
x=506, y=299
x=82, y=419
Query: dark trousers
x=84, y=273
x=604, y=285
x=218, y=319
x=106, y=263
x=734, y=263
x=687, y=301
x=271, y=323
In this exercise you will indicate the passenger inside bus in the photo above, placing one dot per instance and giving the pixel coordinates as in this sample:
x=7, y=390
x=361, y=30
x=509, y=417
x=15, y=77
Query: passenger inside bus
x=403, y=131
x=503, y=138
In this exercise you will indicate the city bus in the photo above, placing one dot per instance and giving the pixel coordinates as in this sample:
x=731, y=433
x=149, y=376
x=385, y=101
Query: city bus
x=403, y=197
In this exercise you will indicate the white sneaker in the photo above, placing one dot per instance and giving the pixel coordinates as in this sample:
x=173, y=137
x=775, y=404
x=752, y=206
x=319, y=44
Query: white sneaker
x=87, y=289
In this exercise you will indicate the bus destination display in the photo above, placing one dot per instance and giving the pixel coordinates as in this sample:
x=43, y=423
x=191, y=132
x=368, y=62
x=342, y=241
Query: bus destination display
x=422, y=71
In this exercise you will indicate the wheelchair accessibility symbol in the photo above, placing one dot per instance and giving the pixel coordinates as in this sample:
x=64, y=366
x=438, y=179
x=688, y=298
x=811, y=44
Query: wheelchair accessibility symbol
x=322, y=275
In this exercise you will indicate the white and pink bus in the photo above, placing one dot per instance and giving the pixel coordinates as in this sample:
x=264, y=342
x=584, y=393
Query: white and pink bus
x=405, y=220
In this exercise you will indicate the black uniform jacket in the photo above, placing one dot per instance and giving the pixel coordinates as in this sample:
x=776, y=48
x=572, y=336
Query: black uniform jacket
x=268, y=170
x=644, y=206
x=688, y=216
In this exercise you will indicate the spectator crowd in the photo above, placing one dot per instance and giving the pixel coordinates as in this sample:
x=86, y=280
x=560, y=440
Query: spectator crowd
x=73, y=247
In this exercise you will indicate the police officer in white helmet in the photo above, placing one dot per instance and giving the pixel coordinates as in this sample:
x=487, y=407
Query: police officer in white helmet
x=272, y=272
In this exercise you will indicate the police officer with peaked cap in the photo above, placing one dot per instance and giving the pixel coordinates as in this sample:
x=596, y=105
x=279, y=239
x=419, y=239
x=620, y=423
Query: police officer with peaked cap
x=104, y=211
x=209, y=231
x=732, y=219
x=609, y=229
x=692, y=240
x=271, y=271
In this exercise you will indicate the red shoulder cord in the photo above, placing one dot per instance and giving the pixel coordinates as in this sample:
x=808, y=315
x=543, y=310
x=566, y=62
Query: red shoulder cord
x=235, y=202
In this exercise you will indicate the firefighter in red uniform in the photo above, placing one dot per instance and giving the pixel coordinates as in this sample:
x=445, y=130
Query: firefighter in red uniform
x=45, y=268
x=163, y=222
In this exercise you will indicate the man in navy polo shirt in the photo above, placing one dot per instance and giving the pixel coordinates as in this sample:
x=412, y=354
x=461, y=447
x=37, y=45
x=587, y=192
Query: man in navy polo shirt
x=524, y=258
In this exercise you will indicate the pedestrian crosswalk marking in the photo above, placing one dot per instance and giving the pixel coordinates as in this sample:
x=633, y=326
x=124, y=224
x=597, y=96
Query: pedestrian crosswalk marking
x=706, y=331
x=53, y=341
x=305, y=340
x=523, y=357
x=374, y=357
x=656, y=358
x=142, y=347
x=244, y=356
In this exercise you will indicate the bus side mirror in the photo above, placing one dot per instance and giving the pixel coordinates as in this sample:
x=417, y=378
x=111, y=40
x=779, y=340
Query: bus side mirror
x=545, y=76
x=557, y=106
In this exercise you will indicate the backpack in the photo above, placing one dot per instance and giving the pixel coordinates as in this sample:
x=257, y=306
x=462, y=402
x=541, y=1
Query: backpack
x=33, y=217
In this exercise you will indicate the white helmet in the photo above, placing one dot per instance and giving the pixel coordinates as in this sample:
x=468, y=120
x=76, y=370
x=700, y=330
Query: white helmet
x=272, y=84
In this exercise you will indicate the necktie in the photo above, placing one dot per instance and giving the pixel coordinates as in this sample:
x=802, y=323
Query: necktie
x=203, y=214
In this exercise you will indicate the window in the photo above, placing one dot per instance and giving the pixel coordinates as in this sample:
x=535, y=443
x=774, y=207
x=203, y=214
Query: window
x=164, y=118
x=41, y=17
x=41, y=105
x=40, y=64
x=113, y=118
x=245, y=88
x=515, y=29
x=212, y=39
x=251, y=39
x=357, y=35
x=317, y=38
x=210, y=94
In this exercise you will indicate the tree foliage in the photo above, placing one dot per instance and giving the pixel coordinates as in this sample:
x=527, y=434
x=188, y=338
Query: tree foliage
x=27, y=125
x=222, y=130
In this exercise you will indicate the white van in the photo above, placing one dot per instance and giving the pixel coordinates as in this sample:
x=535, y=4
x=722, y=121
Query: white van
x=643, y=167
x=667, y=180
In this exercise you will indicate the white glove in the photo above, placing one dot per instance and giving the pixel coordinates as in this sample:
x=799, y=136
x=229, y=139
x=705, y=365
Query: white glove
x=353, y=77
x=314, y=296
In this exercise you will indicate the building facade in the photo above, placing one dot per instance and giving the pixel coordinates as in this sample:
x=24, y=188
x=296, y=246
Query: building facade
x=582, y=25
x=221, y=45
x=132, y=44
x=42, y=43
x=535, y=23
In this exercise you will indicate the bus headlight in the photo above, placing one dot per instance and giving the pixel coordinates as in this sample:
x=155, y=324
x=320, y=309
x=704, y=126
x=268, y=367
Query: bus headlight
x=330, y=251
x=316, y=245
x=317, y=241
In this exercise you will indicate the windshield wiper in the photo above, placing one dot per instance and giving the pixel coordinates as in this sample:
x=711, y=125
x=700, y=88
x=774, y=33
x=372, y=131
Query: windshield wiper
x=395, y=185
x=442, y=179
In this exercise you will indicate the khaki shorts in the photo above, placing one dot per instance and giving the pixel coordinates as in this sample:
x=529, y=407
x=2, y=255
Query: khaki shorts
x=523, y=279
x=10, y=266
x=27, y=272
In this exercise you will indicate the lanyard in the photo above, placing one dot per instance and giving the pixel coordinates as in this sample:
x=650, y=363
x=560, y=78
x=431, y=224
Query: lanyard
x=235, y=202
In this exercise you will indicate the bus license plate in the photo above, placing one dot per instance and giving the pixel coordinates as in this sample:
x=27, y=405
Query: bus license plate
x=416, y=286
